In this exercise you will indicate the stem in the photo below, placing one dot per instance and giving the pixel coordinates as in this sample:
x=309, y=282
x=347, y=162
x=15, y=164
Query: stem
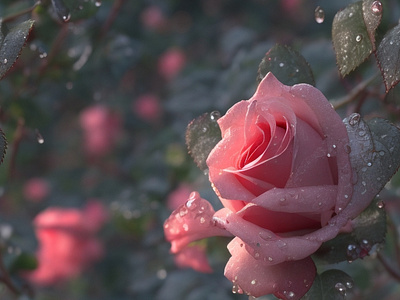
x=20, y=13
x=354, y=93
x=112, y=16
x=19, y=133
x=395, y=273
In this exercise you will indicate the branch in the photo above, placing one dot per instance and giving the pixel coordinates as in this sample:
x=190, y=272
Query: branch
x=354, y=93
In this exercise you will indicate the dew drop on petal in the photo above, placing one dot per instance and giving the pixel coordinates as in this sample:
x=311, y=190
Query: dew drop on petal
x=319, y=15
x=253, y=282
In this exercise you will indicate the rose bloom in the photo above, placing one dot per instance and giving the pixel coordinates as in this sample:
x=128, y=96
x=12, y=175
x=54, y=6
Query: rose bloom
x=193, y=257
x=67, y=242
x=101, y=128
x=36, y=189
x=282, y=172
x=148, y=107
x=171, y=63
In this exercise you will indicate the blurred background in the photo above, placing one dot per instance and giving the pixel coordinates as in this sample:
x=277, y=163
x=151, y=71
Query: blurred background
x=95, y=111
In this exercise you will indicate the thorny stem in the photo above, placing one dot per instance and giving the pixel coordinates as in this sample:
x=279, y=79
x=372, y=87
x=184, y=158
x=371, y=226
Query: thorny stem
x=354, y=93
x=20, y=13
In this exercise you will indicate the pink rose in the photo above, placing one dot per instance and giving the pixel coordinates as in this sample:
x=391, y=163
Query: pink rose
x=101, y=128
x=67, y=242
x=36, y=189
x=171, y=63
x=283, y=173
x=193, y=257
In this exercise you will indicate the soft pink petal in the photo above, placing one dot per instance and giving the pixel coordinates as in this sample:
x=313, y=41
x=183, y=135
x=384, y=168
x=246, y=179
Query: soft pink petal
x=265, y=244
x=287, y=280
x=310, y=160
x=190, y=222
x=308, y=199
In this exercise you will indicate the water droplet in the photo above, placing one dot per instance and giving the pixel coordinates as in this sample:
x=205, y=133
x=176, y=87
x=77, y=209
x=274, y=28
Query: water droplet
x=359, y=38
x=350, y=15
x=281, y=244
x=354, y=119
x=256, y=255
x=349, y=284
x=183, y=211
x=328, y=155
x=265, y=235
x=369, y=164
x=380, y=204
x=202, y=220
x=97, y=3
x=341, y=288
x=289, y=294
x=185, y=227
x=66, y=18
x=204, y=129
x=5, y=61
x=281, y=64
x=319, y=15
x=215, y=115
x=253, y=282
x=376, y=7
x=39, y=137
x=270, y=258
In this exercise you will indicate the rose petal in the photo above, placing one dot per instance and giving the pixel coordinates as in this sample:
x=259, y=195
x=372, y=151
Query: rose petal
x=265, y=244
x=287, y=280
x=308, y=199
x=310, y=164
x=190, y=222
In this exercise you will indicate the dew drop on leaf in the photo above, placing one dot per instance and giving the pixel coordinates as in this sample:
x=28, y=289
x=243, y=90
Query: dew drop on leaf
x=359, y=38
x=98, y=3
x=39, y=137
x=341, y=288
x=380, y=204
x=319, y=15
x=215, y=115
x=376, y=7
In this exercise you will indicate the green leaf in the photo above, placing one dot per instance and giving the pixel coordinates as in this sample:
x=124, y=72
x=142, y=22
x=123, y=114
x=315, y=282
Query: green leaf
x=202, y=134
x=350, y=36
x=372, y=13
x=330, y=285
x=12, y=40
x=369, y=230
x=388, y=56
x=287, y=65
x=3, y=146
x=24, y=262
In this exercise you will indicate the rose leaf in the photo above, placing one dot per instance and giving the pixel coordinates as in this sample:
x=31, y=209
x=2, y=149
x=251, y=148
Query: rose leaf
x=372, y=13
x=330, y=285
x=351, y=39
x=289, y=66
x=12, y=41
x=388, y=56
x=23, y=262
x=369, y=230
x=3, y=146
x=202, y=134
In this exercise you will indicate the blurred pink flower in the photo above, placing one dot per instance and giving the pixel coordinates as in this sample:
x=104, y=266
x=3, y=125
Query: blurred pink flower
x=101, y=128
x=193, y=257
x=147, y=107
x=179, y=196
x=67, y=242
x=36, y=189
x=171, y=63
x=152, y=17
